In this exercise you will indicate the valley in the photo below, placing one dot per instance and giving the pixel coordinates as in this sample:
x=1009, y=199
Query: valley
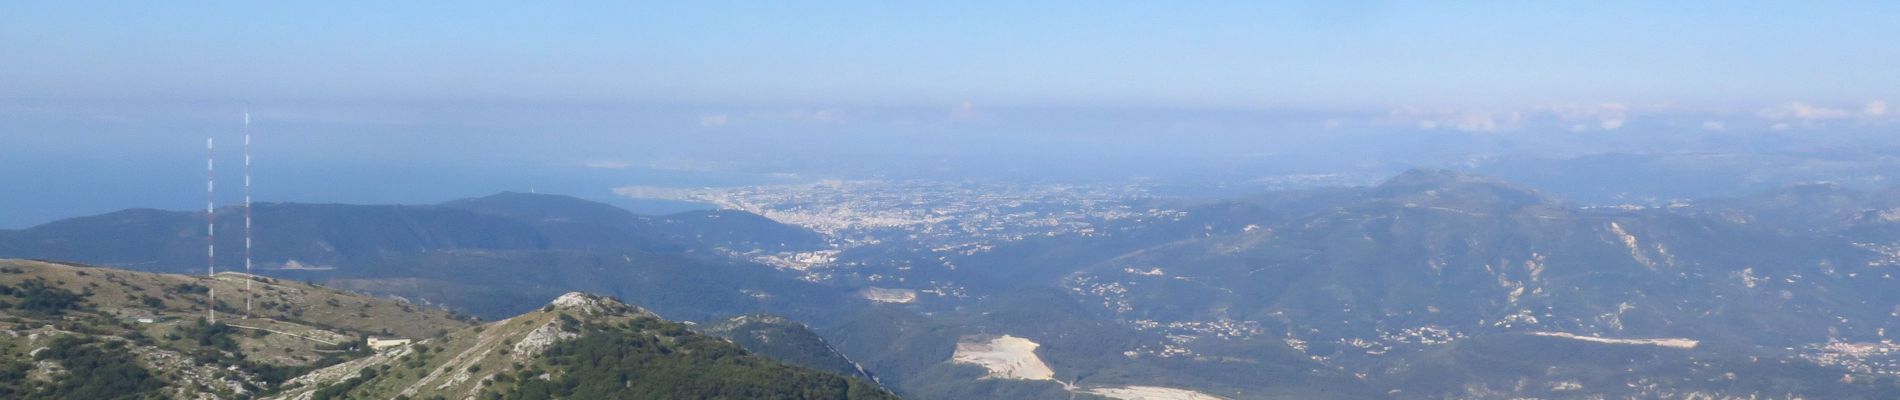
x=1412, y=288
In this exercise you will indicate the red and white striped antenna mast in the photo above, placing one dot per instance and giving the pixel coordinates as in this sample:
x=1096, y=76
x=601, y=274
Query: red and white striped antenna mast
x=211, y=231
x=247, y=214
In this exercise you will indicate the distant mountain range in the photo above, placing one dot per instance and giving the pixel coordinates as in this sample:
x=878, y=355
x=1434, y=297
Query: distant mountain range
x=491, y=256
x=1469, y=254
x=316, y=236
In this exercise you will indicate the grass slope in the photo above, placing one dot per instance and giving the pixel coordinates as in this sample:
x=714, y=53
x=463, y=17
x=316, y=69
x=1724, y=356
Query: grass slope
x=75, y=331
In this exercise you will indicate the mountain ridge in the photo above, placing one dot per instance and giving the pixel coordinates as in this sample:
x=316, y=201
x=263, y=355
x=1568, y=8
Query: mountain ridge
x=78, y=331
x=456, y=253
x=557, y=351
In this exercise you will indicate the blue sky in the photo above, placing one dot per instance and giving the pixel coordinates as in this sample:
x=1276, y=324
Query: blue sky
x=1321, y=55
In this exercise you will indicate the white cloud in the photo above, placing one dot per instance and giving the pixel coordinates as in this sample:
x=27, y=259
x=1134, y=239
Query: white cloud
x=1610, y=116
x=1488, y=122
x=1802, y=111
x=1468, y=120
x=1606, y=116
x=1612, y=124
x=714, y=120
x=965, y=112
x=825, y=115
x=822, y=116
x=1575, y=117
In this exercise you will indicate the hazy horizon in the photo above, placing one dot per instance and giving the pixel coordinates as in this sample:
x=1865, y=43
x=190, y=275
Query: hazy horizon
x=363, y=102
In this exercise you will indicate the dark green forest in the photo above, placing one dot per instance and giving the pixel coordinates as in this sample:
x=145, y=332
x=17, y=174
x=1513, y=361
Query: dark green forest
x=629, y=360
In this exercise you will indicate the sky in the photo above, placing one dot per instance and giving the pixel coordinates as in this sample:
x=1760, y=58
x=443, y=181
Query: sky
x=1320, y=55
x=341, y=87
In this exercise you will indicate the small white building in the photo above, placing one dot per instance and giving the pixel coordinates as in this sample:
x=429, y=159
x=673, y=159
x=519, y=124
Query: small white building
x=145, y=319
x=378, y=344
